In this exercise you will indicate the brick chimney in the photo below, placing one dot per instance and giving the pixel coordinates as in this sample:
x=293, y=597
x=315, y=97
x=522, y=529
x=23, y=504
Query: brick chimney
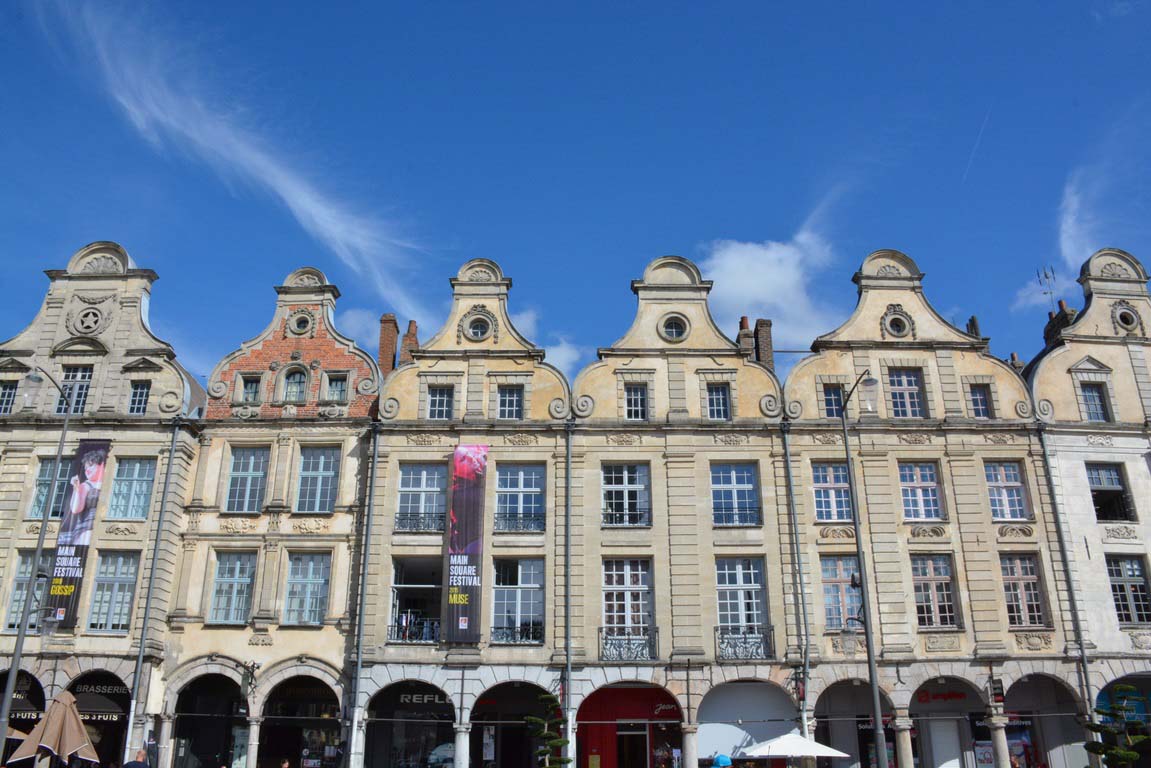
x=745, y=338
x=764, y=347
x=410, y=342
x=1057, y=321
x=389, y=335
x=1015, y=362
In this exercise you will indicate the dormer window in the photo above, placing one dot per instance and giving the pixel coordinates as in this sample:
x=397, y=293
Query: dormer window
x=440, y=403
x=138, y=399
x=337, y=387
x=1095, y=405
x=906, y=390
x=635, y=402
x=7, y=397
x=295, y=385
x=250, y=389
x=77, y=381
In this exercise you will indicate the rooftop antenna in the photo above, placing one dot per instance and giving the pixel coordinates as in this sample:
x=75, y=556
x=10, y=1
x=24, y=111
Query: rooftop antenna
x=1046, y=277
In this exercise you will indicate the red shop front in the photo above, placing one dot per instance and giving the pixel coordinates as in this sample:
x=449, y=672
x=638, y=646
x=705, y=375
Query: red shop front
x=629, y=726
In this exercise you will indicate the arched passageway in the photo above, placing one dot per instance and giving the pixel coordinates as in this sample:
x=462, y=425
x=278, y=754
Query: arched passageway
x=629, y=724
x=27, y=707
x=211, y=724
x=1139, y=703
x=500, y=736
x=734, y=716
x=1042, y=724
x=102, y=700
x=843, y=721
x=301, y=724
x=410, y=723
x=951, y=724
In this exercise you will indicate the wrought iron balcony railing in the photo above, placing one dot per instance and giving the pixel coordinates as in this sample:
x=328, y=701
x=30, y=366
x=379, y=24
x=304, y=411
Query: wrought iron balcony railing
x=516, y=523
x=628, y=643
x=625, y=516
x=737, y=515
x=414, y=631
x=525, y=634
x=420, y=522
x=746, y=642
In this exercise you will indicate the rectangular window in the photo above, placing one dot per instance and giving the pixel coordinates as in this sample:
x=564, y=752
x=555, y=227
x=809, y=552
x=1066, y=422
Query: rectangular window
x=132, y=489
x=44, y=487
x=417, y=603
x=833, y=400
x=1109, y=493
x=295, y=387
x=113, y=592
x=1095, y=405
x=980, y=401
x=626, y=498
x=7, y=397
x=741, y=596
x=934, y=592
x=423, y=497
x=232, y=590
x=77, y=381
x=1022, y=591
x=138, y=399
x=20, y=584
x=734, y=494
x=520, y=497
x=511, y=402
x=1005, y=490
x=309, y=576
x=635, y=402
x=841, y=601
x=832, y=493
x=719, y=402
x=338, y=388
x=518, y=615
x=627, y=597
x=319, y=478
x=1129, y=589
x=248, y=479
x=251, y=391
x=919, y=486
x=906, y=388
x=440, y=403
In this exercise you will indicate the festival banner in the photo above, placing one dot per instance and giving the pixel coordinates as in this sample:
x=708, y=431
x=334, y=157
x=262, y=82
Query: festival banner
x=465, y=544
x=81, y=495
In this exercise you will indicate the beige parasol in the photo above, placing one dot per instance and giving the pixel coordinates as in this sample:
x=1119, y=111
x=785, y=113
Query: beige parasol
x=60, y=731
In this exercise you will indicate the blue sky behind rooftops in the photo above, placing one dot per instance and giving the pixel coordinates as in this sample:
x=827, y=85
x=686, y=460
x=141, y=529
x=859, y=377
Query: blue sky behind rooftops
x=225, y=144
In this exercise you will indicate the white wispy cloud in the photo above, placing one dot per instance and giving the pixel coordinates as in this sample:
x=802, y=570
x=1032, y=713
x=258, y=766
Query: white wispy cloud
x=363, y=325
x=527, y=323
x=568, y=356
x=154, y=79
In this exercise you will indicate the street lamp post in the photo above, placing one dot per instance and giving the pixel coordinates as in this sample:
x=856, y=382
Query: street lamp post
x=868, y=388
x=35, y=379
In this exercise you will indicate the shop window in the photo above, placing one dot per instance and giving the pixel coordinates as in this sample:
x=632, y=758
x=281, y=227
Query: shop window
x=1109, y=493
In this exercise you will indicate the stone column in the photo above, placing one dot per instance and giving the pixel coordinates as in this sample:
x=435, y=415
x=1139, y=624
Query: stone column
x=356, y=756
x=902, y=723
x=463, y=745
x=253, y=740
x=690, y=746
x=164, y=741
x=998, y=726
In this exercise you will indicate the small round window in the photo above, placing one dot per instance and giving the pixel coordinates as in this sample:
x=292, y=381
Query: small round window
x=897, y=326
x=1127, y=319
x=479, y=328
x=300, y=324
x=674, y=328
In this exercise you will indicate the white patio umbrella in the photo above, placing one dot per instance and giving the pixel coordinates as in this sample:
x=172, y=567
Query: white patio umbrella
x=791, y=745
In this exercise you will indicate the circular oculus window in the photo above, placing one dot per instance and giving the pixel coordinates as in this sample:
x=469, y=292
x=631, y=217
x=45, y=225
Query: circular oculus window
x=300, y=324
x=1127, y=319
x=479, y=328
x=898, y=325
x=674, y=328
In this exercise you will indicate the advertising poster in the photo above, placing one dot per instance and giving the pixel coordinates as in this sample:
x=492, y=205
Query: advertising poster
x=465, y=544
x=81, y=495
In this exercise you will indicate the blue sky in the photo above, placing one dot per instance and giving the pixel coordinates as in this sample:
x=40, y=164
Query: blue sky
x=225, y=144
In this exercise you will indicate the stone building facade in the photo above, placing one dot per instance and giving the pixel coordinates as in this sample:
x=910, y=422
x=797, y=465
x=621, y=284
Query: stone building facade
x=91, y=335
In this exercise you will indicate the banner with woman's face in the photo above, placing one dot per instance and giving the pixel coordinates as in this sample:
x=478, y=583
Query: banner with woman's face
x=81, y=495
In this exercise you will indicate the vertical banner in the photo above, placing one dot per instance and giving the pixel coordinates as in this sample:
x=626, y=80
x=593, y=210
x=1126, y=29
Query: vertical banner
x=81, y=495
x=465, y=545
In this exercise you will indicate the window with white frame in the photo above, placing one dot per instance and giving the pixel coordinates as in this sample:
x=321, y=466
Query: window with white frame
x=440, y=402
x=7, y=397
x=739, y=581
x=510, y=401
x=518, y=604
x=980, y=400
x=1022, y=590
x=833, y=400
x=233, y=587
x=337, y=387
x=841, y=600
x=423, y=497
x=112, y=593
x=247, y=480
x=919, y=487
x=1109, y=493
x=309, y=578
x=1129, y=589
x=44, y=487
x=905, y=387
x=832, y=492
x=250, y=389
x=627, y=600
x=734, y=495
x=635, y=402
x=520, y=497
x=1005, y=490
x=931, y=577
x=138, y=397
x=132, y=489
x=626, y=495
x=319, y=479
x=1095, y=404
x=295, y=386
x=77, y=381
x=719, y=401
x=20, y=586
